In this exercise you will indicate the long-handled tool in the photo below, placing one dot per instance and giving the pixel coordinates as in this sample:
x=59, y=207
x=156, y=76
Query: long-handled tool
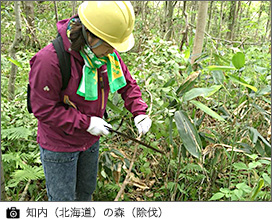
x=134, y=139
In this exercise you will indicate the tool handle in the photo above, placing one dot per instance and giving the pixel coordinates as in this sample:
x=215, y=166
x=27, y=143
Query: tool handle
x=135, y=140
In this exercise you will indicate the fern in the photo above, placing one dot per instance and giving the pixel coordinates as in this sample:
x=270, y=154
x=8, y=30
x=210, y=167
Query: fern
x=112, y=187
x=26, y=174
x=193, y=167
x=13, y=157
x=15, y=133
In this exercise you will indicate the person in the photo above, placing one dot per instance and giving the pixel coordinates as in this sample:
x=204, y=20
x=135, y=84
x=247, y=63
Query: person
x=70, y=121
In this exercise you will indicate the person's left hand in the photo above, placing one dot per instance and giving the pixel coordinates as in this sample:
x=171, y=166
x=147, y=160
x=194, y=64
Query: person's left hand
x=143, y=123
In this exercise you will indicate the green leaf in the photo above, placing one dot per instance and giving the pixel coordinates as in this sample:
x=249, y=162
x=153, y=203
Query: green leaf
x=204, y=92
x=188, y=134
x=252, y=156
x=187, y=84
x=260, y=70
x=240, y=166
x=215, y=67
x=264, y=91
x=187, y=53
x=218, y=77
x=238, y=194
x=254, y=138
x=254, y=164
x=15, y=62
x=118, y=153
x=217, y=196
x=239, y=80
x=238, y=60
x=267, y=179
x=170, y=82
x=225, y=190
x=244, y=187
x=26, y=174
x=15, y=133
x=257, y=189
x=207, y=110
x=113, y=107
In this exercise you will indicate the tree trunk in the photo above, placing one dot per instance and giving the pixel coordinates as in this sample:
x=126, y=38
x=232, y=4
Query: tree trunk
x=232, y=16
x=192, y=14
x=169, y=9
x=137, y=6
x=30, y=27
x=235, y=19
x=3, y=194
x=248, y=9
x=220, y=19
x=13, y=48
x=267, y=26
x=185, y=32
x=74, y=3
x=191, y=7
x=200, y=30
x=239, y=12
x=56, y=11
x=259, y=17
x=210, y=16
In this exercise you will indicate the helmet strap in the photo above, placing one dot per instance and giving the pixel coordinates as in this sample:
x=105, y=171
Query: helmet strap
x=84, y=32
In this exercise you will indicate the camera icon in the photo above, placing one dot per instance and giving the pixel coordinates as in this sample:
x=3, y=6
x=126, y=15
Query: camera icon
x=13, y=212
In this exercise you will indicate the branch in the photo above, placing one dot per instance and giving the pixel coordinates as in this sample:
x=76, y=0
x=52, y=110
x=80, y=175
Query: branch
x=128, y=173
x=25, y=191
x=33, y=34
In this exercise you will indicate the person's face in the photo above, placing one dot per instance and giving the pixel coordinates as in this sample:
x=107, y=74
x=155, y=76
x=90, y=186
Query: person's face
x=103, y=50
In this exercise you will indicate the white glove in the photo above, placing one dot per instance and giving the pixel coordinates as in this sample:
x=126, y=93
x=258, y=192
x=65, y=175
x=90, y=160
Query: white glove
x=143, y=123
x=97, y=126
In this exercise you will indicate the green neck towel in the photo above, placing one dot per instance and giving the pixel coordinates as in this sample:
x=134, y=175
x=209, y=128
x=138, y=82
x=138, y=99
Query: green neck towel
x=88, y=85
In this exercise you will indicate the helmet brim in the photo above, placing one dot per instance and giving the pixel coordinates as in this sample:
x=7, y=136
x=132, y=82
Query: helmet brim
x=124, y=46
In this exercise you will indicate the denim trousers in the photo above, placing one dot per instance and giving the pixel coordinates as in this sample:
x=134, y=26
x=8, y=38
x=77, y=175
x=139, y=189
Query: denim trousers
x=70, y=176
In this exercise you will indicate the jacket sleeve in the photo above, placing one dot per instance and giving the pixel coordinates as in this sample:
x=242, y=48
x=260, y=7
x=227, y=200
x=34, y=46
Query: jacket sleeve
x=45, y=84
x=131, y=93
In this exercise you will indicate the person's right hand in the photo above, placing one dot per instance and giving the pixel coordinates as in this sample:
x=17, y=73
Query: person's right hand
x=97, y=126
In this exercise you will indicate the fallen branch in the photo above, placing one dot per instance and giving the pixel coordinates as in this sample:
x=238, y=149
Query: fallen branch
x=25, y=191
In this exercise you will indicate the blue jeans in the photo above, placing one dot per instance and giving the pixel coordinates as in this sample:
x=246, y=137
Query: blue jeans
x=70, y=176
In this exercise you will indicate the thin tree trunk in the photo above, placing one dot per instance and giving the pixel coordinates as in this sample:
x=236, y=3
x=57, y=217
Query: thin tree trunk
x=220, y=19
x=210, y=16
x=232, y=16
x=200, y=30
x=30, y=28
x=56, y=11
x=185, y=32
x=259, y=17
x=73, y=7
x=267, y=25
x=3, y=194
x=13, y=48
x=248, y=9
x=193, y=8
x=169, y=10
x=240, y=12
x=235, y=20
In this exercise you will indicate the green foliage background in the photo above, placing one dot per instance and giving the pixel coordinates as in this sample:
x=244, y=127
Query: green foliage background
x=212, y=119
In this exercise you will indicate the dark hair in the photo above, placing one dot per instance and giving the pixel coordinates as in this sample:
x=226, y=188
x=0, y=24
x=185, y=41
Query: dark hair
x=76, y=37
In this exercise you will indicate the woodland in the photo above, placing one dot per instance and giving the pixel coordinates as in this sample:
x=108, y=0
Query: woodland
x=204, y=68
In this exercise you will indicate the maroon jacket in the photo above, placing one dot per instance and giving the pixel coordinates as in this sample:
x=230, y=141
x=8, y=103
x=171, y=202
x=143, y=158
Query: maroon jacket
x=62, y=127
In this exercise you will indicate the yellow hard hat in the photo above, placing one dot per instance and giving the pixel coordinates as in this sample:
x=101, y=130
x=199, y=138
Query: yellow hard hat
x=111, y=21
